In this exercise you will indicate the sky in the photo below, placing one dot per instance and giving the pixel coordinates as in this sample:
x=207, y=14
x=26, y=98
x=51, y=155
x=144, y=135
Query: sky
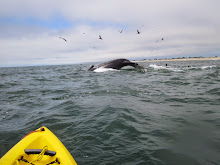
x=30, y=30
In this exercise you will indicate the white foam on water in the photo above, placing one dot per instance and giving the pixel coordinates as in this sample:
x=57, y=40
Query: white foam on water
x=101, y=69
x=156, y=67
x=208, y=67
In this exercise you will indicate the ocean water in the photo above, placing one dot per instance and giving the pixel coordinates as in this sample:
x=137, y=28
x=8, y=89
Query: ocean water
x=165, y=116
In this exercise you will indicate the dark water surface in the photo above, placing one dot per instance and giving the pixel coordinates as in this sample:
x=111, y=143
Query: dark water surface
x=166, y=116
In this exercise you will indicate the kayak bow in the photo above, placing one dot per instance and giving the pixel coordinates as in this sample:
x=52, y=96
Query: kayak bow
x=40, y=147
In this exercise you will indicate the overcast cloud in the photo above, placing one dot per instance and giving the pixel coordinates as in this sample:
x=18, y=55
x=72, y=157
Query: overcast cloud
x=30, y=30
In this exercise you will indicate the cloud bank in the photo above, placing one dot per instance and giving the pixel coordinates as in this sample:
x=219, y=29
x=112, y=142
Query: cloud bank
x=30, y=30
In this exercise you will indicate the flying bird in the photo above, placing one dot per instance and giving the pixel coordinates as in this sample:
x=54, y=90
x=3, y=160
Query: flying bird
x=162, y=39
x=63, y=39
x=100, y=37
x=138, y=32
x=121, y=31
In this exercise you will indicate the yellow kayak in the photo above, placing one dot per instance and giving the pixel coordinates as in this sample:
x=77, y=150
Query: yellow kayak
x=40, y=147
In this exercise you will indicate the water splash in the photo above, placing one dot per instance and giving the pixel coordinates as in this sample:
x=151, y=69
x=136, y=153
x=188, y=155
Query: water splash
x=208, y=67
x=101, y=69
x=156, y=67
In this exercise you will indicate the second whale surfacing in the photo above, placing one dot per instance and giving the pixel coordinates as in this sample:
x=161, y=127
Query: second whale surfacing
x=116, y=64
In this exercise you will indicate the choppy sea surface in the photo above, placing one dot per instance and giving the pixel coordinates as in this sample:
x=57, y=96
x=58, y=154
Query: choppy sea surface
x=165, y=116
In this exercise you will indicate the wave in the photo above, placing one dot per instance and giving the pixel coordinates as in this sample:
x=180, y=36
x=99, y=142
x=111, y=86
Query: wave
x=208, y=67
x=156, y=67
x=183, y=68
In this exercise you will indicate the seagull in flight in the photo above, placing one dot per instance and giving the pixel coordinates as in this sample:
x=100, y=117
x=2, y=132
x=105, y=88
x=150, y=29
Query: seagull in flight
x=121, y=31
x=138, y=32
x=162, y=39
x=63, y=39
x=100, y=37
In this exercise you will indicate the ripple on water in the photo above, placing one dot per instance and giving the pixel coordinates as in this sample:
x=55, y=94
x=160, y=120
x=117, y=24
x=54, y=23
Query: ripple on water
x=166, y=156
x=214, y=91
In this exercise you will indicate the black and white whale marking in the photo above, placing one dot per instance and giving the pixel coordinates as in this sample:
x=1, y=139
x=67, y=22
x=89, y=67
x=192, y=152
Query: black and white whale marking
x=116, y=64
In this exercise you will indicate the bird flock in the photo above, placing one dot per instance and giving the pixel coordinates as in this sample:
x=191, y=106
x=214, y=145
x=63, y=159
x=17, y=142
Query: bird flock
x=100, y=37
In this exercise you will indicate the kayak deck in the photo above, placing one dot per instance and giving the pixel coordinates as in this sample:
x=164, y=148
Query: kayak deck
x=40, y=147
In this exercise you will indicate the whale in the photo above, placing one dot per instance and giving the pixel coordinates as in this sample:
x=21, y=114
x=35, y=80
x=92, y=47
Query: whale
x=116, y=64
